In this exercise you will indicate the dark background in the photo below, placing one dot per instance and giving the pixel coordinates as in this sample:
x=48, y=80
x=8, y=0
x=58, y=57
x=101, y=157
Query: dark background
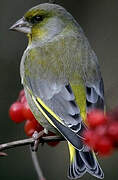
x=99, y=19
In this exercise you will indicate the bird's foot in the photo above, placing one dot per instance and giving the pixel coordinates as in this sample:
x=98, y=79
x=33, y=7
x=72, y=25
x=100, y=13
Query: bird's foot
x=36, y=136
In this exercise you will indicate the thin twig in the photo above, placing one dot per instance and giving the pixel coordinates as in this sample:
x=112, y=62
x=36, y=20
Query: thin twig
x=36, y=165
x=29, y=141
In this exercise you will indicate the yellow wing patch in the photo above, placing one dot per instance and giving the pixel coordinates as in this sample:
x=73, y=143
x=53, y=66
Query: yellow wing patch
x=72, y=152
x=80, y=98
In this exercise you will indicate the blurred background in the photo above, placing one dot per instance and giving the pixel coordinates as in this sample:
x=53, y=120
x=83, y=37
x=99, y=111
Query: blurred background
x=99, y=20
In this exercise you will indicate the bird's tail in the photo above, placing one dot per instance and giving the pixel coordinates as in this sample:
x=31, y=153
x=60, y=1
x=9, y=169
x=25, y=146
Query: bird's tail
x=82, y=162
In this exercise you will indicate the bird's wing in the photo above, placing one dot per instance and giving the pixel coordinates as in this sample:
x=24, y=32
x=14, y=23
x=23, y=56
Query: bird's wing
x=95, y=95
x=61, y=111
x=66, y=108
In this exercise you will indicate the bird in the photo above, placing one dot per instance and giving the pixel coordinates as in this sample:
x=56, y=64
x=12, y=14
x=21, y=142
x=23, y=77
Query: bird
x=61, y=77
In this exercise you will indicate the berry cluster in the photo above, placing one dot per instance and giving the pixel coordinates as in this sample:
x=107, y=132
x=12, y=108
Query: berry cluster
x=20, y=112
x=102, y=135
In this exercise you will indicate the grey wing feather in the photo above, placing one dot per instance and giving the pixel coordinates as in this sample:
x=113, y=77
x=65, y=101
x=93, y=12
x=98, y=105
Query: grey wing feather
x=85, y=160
x=62, y=102
x=78, y=168
x=95, y=96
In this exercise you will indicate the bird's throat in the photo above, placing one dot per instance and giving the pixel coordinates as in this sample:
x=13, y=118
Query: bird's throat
x=37, y=35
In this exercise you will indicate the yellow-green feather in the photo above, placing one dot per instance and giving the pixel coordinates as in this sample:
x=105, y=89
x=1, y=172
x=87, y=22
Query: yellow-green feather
x=72, y=152
x=80, y=97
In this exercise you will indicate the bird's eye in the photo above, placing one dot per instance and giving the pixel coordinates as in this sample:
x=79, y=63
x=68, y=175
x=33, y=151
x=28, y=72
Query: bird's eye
x=36, y=19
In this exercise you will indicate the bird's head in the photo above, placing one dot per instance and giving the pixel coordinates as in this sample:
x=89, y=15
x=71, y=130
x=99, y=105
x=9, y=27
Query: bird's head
x=43, y=21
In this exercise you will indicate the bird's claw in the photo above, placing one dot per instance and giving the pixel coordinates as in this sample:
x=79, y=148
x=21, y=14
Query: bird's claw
x=36, y=136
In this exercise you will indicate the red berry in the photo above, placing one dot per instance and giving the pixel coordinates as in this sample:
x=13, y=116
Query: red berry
x=39, y=127
x=88, y=134
x=22, y=93
x=53, y=143
x=23, y=100
x=95, y=118
x=113, y=131
x=31, y=126
x=16, y=112
x=27, y=112
x=91, y=138
x=110, y=119
x=104, y=146
x=114, y=114
x=101, y=130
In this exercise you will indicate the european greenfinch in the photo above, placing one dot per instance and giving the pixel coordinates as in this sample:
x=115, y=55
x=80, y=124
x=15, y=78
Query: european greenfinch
x=62, y=80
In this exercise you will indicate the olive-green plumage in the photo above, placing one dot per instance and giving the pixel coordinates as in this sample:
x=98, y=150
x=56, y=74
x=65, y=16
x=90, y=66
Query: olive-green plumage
x=62, y=79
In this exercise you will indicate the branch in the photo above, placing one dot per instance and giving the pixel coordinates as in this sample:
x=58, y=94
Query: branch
x=36, y=165
x=29, y=141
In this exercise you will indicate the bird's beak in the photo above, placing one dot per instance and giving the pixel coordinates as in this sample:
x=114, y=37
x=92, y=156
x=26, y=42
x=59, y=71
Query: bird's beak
x=22, y=26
